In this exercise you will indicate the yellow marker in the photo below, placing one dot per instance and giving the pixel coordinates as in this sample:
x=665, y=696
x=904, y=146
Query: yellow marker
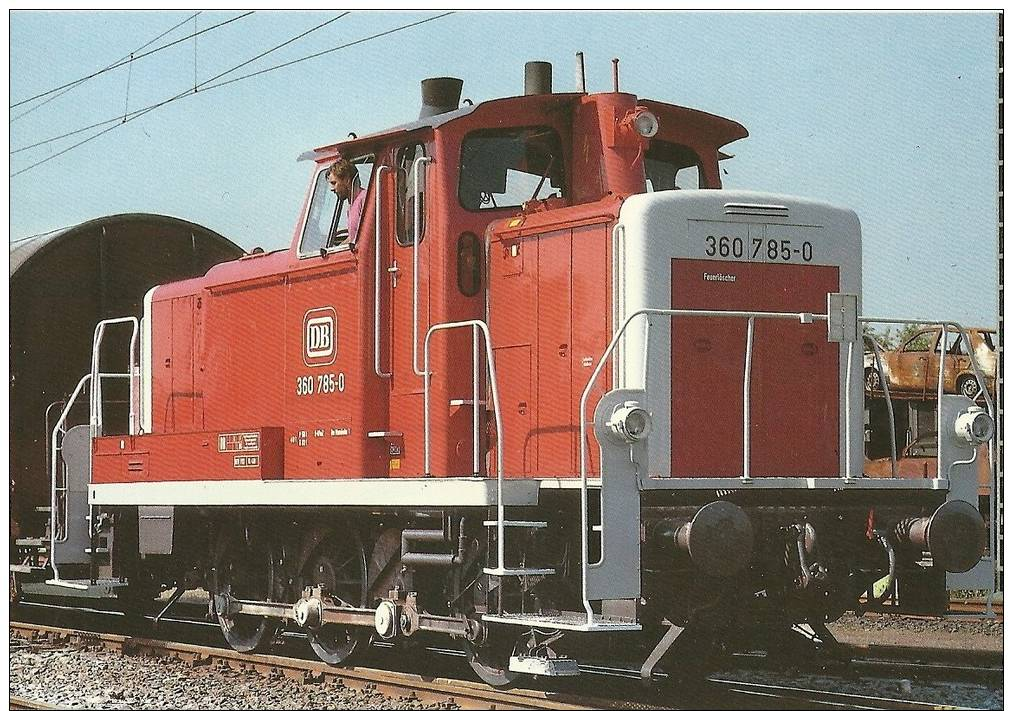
x=516, y=222
x=395, y=464
x=880, y=587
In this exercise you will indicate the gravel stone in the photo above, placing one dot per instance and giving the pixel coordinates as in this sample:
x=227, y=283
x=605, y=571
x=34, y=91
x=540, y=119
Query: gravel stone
x=95, y=679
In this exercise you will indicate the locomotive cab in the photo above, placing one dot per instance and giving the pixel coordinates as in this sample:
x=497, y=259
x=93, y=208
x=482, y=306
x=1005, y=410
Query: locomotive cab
x=557, y=378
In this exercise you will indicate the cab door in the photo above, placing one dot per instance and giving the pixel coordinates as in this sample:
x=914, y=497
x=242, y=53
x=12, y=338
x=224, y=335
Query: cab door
x=406, y=353
x=325, y=338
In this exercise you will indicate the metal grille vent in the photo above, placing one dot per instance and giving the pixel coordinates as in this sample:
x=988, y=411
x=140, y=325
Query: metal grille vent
x=755, y=209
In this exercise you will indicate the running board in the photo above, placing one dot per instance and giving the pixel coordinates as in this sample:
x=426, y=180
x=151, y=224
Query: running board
x=572, y=621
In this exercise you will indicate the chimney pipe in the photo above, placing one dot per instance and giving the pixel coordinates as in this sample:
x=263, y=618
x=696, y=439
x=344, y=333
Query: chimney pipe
x=615, y=74
x=440, y=95
x=537, y=78
x=581, y=85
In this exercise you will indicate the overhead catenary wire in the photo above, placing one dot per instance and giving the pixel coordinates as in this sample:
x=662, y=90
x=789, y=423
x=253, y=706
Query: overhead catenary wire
x=117, y=121
x=132, y=58
x=107, y=68
x=138, y=112
x=206, y=85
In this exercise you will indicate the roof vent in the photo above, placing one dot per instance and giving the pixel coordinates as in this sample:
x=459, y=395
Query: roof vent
x=440, y=95
x=757, y=209
x=537, y=78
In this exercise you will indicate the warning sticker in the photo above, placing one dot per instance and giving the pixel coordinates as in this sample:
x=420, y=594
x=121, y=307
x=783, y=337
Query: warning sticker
x=239, y=442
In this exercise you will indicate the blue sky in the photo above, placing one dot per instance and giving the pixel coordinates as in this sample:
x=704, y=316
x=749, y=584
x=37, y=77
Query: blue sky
x=893, y=115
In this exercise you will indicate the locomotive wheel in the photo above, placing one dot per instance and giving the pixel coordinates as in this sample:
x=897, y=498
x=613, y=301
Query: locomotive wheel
x=338, y=565
x=244, y=568
x=491, y=659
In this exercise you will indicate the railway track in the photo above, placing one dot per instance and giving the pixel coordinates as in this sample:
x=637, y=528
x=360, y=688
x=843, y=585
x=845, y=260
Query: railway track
x=625, y=692
x=18, y=704
x=975, y=607
x=467, y=695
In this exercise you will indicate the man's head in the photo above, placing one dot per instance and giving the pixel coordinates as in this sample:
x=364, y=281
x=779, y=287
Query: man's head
x=340, y=176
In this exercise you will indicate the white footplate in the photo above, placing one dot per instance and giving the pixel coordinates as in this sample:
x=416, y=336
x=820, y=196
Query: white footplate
x=544, y=666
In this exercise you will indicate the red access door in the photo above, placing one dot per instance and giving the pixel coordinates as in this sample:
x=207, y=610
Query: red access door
x=794, y=413
x=406, y=406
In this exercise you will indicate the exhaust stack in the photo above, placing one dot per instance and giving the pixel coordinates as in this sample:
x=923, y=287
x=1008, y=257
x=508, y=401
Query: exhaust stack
x=537, y=78
x=440, y=95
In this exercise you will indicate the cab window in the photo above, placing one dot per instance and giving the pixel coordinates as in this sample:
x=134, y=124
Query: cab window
x=327, y=219
x=320, y=218
x=671, y=166
x=408, y=193
x=506, y=168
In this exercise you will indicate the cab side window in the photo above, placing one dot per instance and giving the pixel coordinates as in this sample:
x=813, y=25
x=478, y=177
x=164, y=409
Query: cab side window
x=327, y=219
x=321, y=218
x=408, y=193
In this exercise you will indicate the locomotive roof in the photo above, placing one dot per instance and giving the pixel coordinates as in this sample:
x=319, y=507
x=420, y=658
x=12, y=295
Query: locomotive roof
x=724, y=129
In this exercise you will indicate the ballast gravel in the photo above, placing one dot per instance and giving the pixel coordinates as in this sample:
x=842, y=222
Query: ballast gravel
x=74, y=678
x=83, y=678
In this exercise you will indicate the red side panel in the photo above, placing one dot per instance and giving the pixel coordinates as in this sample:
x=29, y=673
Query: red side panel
x=554, y=427
x=191, y=456
x=794, y=425
x=513, y=366
x=591, y=289
x=183, y=395
x=162, y=414
x=550, y=324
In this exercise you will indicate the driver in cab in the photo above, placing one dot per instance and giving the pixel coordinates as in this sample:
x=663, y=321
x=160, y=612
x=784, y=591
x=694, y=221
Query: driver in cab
x=343, y=178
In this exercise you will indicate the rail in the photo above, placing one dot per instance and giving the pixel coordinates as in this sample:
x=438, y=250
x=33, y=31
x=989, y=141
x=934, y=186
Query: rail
x=476, y=326
x=647, y=313
x=978, y=376
x=416, y=216
x=377, y=248
x=60, y=535
x=97, y=375
x=424, y=688
x=59, y=529
x=889, y=406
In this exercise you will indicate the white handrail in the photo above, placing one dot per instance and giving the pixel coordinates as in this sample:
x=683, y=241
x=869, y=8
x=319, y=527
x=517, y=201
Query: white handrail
x=849, y=368
x=378, y=247
x=96, y=389
x=415, y=262
x=494, y=388
x=475, y=448
x=746, y=381
x=889, y=407
x=979, y=377
x=53, y=511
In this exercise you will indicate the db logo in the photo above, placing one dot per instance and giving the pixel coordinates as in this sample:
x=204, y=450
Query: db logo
x=319, y=336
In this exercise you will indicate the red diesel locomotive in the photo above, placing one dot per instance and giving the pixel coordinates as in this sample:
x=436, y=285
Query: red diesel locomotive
x=558, y=386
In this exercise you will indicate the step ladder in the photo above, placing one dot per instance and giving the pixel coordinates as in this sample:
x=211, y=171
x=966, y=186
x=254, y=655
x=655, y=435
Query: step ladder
x=501, y=570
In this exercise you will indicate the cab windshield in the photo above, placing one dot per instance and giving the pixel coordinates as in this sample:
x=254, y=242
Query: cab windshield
x=671, y=166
